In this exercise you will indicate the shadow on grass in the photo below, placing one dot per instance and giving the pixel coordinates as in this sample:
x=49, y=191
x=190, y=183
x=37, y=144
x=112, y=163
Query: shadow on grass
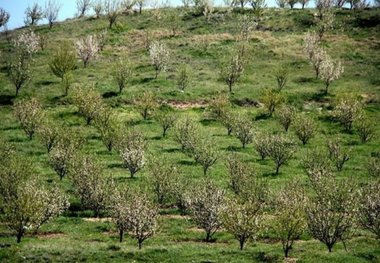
x=262, y=116
x=187, y=162
x=110, y=94
x=116, y=165
x=45, y=82
x=172, y=150
x=6, y=99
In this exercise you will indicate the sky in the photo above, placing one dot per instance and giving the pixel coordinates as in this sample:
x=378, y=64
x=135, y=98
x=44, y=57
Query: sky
x=16, y=8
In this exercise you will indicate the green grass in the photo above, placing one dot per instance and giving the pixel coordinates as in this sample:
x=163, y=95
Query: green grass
x=355, y=40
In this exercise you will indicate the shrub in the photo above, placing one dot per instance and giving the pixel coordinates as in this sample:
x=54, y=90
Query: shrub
x=205, y=152
x=108, y=125
x=219, y=105
x=373, y=167
x=30, y=115
x=186, y=132
x=238, y=172
x=228, y=120
x=48, y=133
x=19, y=72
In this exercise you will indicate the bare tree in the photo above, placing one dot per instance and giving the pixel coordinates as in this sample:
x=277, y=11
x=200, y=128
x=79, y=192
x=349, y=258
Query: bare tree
x=338, y=154
x=238, y=171
x=262, y=143
x=4, y=17
x=112, y=10
x=281, y=149
x=83, y=6
x=286, y=115
x=330, y=70
x=48, y=133
x=305, y=128
x=167, y=120
x=122, y=74
x=87, y=48
x=365, y=127
x=231, y=70
x=33, y=14
x=205, y=152
x=51, y=11
x=281, y=75
x=146, y=103
x=347, y=111
x=370, y=208
x=243, y=129
x=97, y=6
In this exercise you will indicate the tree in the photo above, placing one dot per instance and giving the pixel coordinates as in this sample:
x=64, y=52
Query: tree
x=243, y=219
x=206, y=205
x=304, y=3
x=51, y=11
x=292, y=3
x=324, y=19
x=205, y=152
x=26, y=44
x=30, y=115
x=83, y=6
x=282, y=3
x=258, y=7
x=281, y=149
x=242, y=3
x=48, y=133
x=4, y=17
x=112, y=10
x=107, y=123
x=228, y=120
x=63, y=62
x=19, y=72
x=186, y=131
x=25, y=203
x=87, y=48
x=243, y=129
x=370, y=208
x=102, y=39
x=167, y=120
x=365, y=127
x=238, y=172
x=271, y=99
x=33, y=14
x=88, y=101
x=290, y=217
x=136, y=215
x=332, y=210
x=159, y=56
x=281, y=75
x=317, y=165
x=131, y=148
x=146, y=103
x=183, y=78
x=231, y=70
x=347, y=111
x=122, y=74
x=140, y=4
x=163, y=177
x=314, y=52
x=97, y=6
x=286, y=115
x=305, y=128
x=62, y=156
x=246, y=25
x=90, y=184
x=262, y=143
x=337, y=154
x=219, y=105
x=329, y=71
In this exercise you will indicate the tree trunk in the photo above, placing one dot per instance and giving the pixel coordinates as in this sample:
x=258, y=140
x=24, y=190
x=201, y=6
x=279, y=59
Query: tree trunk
x=277, y=169
x=121, y=235
x=327, y=88
x=241, y=242
x=19, y=235
x=205, y=170
x=140, y=244
x=208, y=236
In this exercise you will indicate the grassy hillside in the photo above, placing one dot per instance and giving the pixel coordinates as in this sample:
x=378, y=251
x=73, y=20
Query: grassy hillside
x=201, y=44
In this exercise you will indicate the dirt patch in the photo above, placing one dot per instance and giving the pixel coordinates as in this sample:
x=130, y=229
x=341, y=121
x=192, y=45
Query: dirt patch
x=175, y=216
x=97, y=219
x=49, y=235
x=182, y=105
